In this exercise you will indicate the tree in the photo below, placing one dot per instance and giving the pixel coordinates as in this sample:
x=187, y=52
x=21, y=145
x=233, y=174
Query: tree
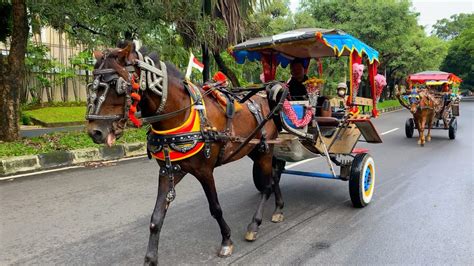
x=12, y=73
x=449, y=29
x=460, y=58
x=388, y=26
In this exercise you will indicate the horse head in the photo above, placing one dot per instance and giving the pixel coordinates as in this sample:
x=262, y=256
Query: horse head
x=109, y=94
x=414, y=100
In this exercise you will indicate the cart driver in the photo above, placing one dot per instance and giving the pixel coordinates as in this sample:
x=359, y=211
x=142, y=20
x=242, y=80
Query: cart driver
x=298, y=76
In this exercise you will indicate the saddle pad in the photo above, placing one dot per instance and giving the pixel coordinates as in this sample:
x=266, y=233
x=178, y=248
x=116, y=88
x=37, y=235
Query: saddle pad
x=222, y=100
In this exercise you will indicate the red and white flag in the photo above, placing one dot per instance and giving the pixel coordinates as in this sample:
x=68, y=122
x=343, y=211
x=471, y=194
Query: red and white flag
x=193, y=62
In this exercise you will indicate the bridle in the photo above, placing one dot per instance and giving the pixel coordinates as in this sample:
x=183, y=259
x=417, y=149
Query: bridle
x=149, y=77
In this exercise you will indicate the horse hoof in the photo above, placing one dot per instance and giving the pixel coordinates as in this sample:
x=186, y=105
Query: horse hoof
x=428, y=138
x=422, y=144
x=226, y=251
x=251, y=236
x=277, y=217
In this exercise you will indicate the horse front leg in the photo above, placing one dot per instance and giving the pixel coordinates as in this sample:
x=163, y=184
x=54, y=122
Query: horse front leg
x=207, y=182
x=158, y=216
x=265, y=163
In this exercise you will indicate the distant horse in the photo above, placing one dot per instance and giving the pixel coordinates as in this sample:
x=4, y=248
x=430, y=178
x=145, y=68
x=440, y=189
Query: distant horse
x=189, y=132
x=423, y=107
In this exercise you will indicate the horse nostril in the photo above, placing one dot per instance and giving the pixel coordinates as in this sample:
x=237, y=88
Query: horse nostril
x=97, y=135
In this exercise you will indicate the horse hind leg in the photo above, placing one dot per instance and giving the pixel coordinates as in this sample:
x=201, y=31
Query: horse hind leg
x=158, y=217
x=207, y=182
x=430, y=125
x=265, y=163
x=278, y=166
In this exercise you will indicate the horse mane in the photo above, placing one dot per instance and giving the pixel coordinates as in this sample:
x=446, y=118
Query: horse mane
x=155, y=56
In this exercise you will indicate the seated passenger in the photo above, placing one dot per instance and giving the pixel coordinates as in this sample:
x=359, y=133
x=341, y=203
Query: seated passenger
x=295, y=85
x=338, y=103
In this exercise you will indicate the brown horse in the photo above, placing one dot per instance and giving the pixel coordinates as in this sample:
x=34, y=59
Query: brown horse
x=423, y=107
x=107, y=116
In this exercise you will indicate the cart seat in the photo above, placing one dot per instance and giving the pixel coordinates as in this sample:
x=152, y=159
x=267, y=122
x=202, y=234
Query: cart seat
x=327, y=121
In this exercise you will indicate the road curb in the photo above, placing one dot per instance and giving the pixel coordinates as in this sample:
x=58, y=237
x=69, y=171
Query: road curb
x=391, y=109
x=32, y=163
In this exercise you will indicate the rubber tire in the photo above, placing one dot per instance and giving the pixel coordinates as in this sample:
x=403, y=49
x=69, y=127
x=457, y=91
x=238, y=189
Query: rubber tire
x=453, y=127
x=409, y=127
x=360, y=164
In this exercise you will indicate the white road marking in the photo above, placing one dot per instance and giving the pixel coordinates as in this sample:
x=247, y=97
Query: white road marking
x=390, y=131
x=65, y=168
x=298, y=163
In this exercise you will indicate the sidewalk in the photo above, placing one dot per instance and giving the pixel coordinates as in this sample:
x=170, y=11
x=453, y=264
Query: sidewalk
x=35, y=131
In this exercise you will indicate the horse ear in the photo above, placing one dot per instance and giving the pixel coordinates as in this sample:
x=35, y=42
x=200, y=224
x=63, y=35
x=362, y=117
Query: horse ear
x=98, y=55
x=125, y=52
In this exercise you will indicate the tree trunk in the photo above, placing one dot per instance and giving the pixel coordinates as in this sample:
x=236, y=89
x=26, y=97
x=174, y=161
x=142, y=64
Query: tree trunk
x=205, y=61
x=13, y=73
x=228, y=72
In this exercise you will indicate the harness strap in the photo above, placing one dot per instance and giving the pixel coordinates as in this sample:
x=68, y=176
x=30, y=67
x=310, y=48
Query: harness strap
x=272, y=113
x=257, y=112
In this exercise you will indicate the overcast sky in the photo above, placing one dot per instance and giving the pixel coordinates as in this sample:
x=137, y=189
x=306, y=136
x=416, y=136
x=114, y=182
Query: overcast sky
x=430, y=10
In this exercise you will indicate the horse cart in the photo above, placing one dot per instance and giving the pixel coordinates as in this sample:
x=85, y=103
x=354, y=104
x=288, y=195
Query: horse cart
x=443, y=88
x=195, y=129
x=331, y=132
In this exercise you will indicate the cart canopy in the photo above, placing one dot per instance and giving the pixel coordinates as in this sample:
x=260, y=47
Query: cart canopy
x=433, y=78
x=303, y=43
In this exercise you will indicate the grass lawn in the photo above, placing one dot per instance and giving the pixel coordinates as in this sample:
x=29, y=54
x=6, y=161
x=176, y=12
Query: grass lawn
x=61, y=141
x=382, y=105
x=58, y=114
x=387, y=103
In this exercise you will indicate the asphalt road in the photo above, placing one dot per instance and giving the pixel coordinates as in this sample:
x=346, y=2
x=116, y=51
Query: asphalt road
x=422, y=211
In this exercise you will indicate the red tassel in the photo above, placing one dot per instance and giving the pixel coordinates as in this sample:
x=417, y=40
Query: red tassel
x=219, y=76
x=136, y=98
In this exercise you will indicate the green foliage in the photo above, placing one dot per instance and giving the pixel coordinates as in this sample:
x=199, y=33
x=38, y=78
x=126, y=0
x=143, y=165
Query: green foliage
x=25, y=119
x=63, y=141
x=83, y=60
x=460, y=58
x=39, y=63
x=448, y=29
x=388, y=26
x=58, y=114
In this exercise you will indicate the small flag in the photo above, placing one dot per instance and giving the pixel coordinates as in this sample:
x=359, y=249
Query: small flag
x=193, y=62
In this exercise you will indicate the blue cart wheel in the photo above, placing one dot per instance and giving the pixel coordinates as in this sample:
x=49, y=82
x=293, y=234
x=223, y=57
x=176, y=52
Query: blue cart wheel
x=362, y=180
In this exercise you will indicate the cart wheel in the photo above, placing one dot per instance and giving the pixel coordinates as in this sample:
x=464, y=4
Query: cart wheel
x=362, y=180
x=453, y=127
x=409, y=127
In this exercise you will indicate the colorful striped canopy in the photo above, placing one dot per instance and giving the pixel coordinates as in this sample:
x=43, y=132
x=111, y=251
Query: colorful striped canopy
x=303, y=43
